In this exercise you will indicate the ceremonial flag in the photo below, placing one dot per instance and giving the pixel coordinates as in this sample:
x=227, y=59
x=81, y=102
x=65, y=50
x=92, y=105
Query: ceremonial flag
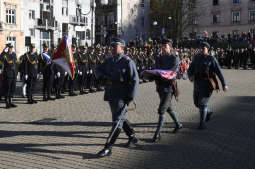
x=64, y=57
x=165, y=74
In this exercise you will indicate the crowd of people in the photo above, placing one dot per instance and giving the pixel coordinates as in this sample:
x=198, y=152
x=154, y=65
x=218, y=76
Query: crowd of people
x=33, y=65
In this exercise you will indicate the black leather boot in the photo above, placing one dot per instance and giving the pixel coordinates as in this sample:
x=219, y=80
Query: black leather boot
x=156, y=138
x=7, y=105
x=132, y=139
x=11, y=104
x=107, y=151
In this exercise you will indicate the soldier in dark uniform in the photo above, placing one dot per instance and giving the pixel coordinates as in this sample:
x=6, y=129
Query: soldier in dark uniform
x=59, y=75
x=31, y=70
x=166, y=89
x=83, y=69
x=92, y=67
x=45, y=67
x=10, y=72
x=202, y=67
x=123, y=80
x=100, y=60
x=229, y=58
x=245, y=57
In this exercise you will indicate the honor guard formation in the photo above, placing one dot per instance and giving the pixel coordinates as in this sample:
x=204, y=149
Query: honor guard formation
x=118, y=69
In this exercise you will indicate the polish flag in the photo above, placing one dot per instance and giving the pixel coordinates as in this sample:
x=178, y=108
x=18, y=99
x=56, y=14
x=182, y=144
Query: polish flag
x=64, y=57
x=164, y=74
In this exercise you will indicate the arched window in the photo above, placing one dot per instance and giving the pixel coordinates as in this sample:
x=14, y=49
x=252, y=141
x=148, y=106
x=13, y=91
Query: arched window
x=88, y=34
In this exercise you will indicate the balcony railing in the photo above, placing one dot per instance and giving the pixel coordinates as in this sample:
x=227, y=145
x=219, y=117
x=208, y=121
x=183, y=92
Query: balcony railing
x=75, y=20
x=45, y=24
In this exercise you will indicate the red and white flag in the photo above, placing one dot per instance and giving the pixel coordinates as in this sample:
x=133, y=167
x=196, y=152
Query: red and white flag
x=64, y=57
x=164, y=74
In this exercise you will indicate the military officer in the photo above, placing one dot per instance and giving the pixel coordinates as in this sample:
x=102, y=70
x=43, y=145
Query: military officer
x=92, y=66
x=166, y=89
x=31, y=71
x=45, y=67
x=203, y=67
x=83, y=69
x=10, y=72
x=123, y=80
x=100, y=60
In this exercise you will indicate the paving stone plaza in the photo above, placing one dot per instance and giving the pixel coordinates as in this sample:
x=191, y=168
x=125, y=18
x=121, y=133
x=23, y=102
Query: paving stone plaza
x=68, y=133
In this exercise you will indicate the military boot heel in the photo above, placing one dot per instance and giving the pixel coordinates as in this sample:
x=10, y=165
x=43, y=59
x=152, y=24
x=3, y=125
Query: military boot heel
x=7, y=105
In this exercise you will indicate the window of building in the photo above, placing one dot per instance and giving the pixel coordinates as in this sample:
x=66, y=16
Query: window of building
x=12, y=40
x=215, y=19
x=236, y=1
x=31, y=14
x=235, y=16
x=86, y=21
x=252, y=15
x=88, y=34
x=32, y=32
x=65, y=7
x=11, y=16
x=215, y=2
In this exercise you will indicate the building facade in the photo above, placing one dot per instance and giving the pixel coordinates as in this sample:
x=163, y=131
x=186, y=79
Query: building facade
x=223, y=17
x=11, y=27
x=126, y=19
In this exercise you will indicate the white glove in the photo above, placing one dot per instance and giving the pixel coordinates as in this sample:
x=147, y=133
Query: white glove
x=38, y=76
x=80, y=73
x=87, y=72
x=6, y=50
x=26, y=77
x=58, y=74
x=65, y=73
x=91, y=71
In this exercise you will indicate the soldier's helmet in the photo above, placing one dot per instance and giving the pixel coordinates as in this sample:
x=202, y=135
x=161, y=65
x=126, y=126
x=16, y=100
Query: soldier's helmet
x=32, y=45
x=45, y=45
x=9, y=45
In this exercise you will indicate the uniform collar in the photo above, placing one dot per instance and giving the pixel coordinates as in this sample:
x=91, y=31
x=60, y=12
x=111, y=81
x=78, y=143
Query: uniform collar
x=117, y=58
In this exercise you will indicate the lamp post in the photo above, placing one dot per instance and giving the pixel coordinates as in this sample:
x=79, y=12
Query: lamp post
x=154, y=23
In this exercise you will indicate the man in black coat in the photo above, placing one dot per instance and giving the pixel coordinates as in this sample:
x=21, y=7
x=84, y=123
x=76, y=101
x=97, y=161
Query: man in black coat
x=10, y=72
x=31, y=71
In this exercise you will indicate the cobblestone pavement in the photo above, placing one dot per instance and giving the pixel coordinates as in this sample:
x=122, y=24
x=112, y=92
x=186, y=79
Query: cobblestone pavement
x=68, y=133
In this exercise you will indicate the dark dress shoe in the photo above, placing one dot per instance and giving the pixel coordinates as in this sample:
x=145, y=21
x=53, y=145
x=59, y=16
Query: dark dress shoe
x=156, y=138
x=50, y=98
x=208, y=116
x=34, y=101
x=30, y=102
x=131, y=142
x=202, y=126
x=177, y=128
x=72, y=94
x=7, y=106
x=104, y=152
x=12, y=105
x=45, y=99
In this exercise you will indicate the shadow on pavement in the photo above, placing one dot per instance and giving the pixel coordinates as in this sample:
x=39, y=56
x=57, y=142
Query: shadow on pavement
x=228, y=142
